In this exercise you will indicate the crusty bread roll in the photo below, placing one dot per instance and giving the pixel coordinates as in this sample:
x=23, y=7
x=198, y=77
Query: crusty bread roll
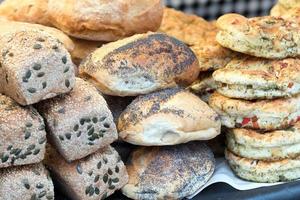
x=172, y=172
x=26, y=182
x=168, y=117
x=92, y=178
x=7, y=26
x=22, y=133
x=34, y=66
x=99, y=20
x=79, y=123
x=140, y=64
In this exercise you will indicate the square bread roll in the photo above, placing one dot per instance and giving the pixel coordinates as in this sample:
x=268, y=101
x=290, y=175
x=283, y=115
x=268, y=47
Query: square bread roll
x=27, y=182
x=92, y=178
x=80, y=122
x=22, y=133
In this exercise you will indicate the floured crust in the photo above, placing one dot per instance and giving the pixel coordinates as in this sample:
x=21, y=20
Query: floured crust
x=268, y=36
x=274, y=145
x=167, y=117
x=129, y=67
x=262, y=114
x=172, y=172
x=105, y=20
x=94, y=177
x=79, y=123
x=255, y=78
x=26, y=182
x=263, y=171
x=199, y=35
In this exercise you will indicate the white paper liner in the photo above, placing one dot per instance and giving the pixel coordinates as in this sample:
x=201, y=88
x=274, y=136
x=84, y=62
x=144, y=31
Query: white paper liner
x=224, y=174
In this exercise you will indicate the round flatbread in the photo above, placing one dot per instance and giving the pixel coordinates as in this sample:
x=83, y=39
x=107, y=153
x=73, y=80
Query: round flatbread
x=262, y=171
x=256, y=78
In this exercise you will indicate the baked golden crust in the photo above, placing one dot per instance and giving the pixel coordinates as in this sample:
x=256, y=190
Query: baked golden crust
x=32, y=11
x=105, y=20
x=172, y=172
x=268, y=36
x=256, y=78
x=82, y=48
x=199, y=35
x=264, y=171
x=168, y=117
x=129, y=67
x=263, y=114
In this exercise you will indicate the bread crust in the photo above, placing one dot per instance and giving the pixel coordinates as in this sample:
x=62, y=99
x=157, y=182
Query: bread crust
x=261, y=114
x=129, y=67
x=77, y=133
x=94, y=177
x=199, y=35
x=35, y=66
x=172, y=172
x=167, y=117
x=23, y=135
x=263, y=171
x=268, y=146
x=267, y=37
x=256, y=78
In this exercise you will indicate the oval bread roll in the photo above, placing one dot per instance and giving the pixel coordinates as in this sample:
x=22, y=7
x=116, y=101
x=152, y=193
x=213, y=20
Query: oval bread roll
x=140, y=64
x=168, y=117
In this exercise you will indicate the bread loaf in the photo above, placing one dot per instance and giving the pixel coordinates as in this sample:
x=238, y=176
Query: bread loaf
x=26, y=182
x=34, y=66
x=89, y=19
x=172, y=172
x=79, y=123
x=92, y=178
x=22, y=133
x=168, y=117
x=140, y=64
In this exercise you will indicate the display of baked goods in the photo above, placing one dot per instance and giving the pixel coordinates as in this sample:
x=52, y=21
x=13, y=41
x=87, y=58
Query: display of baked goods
x=129, y=67
x=134, y=78
x=171, y=172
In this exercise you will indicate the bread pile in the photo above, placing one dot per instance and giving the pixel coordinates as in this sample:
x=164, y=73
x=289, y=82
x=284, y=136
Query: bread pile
x=142, y=74
x=258, y=96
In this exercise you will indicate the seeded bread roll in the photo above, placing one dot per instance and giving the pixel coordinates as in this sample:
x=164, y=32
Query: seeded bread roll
x=34, y=67
x=262, y=114
x=129, y=67
x=22, y=133
x=172, y=172
x=168, y=117
x=79, y=123
x=92, y=178
x=26, y=182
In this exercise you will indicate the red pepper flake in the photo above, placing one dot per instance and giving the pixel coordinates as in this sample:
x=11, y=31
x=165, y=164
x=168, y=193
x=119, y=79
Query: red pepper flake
x=236, y=21
x=254, y=119
x=283, y=65
x=255, y=125
x=290, y=85
x=298, y=119
x=245, y=121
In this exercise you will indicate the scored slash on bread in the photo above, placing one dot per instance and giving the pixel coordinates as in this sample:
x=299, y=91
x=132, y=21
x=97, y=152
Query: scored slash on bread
x=22, y=133
x=34, y=66
x=78, y=123
x=129, y=67
x=92, y=178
